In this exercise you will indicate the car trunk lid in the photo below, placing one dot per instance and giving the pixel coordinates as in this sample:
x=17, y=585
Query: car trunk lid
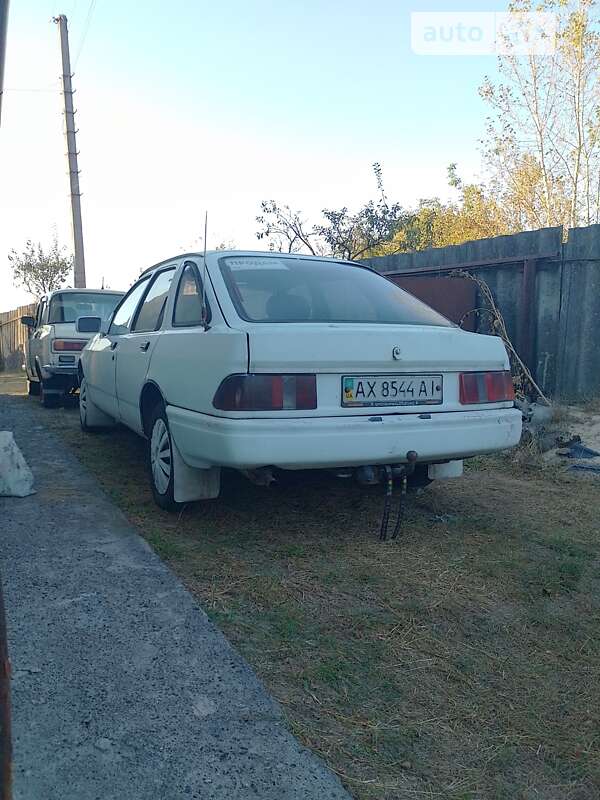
x=333, y=351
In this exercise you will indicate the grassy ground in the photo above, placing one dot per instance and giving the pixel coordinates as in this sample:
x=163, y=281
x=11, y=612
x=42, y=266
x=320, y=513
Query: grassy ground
x=461, y=661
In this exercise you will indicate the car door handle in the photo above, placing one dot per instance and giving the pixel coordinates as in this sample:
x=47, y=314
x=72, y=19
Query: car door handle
x=144, y=346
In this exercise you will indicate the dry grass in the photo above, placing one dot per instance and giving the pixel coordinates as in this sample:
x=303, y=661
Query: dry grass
x=592, y=404
x=13, y=383
x=460, y=662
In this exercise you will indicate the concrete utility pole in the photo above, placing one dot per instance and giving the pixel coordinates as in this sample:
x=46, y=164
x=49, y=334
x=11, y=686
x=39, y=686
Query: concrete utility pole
x=3, y=26
x=5, y=738
x=79, y=278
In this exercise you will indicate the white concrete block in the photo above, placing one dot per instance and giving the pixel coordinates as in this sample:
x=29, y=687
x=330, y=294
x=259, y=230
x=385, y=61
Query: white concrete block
x=16, y=479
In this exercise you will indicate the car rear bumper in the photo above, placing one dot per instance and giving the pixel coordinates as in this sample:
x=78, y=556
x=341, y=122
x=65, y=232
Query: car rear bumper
x=59, y=369
x=325, y=442
x=59, y=379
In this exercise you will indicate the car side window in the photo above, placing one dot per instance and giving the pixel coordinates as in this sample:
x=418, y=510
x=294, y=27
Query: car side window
x=40, y=313
x=188, y=303
x=124, y=313
x=150, y=315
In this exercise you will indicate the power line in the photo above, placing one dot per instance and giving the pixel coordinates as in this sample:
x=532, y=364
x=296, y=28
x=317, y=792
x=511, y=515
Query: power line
x=86, y=27
x=49, y=87
x=27, y=89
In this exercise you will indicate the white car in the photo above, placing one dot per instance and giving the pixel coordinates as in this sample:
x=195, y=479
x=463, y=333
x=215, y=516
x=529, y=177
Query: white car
x=57, y=334
x=265, y=361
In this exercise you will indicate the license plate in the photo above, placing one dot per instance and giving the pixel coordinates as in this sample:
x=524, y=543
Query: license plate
x=392, y=390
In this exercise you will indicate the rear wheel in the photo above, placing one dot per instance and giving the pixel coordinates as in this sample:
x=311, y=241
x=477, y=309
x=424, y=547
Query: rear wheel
x=160, y=460
x=48, y=399
x=33, y=388
x=83, y=406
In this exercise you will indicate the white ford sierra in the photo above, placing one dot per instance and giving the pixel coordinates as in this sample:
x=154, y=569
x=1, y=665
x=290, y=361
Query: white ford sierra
x=266, y=361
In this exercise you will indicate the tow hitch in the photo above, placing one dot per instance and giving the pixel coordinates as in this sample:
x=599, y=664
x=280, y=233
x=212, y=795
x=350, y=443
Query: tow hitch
x=389, y=473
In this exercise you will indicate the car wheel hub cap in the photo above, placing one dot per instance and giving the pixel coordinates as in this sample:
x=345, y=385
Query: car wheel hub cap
x=160, y=456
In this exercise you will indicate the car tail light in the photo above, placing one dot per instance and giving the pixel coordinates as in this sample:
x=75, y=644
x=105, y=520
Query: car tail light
x=267, y=393
x=60, y=345
x=486, y=387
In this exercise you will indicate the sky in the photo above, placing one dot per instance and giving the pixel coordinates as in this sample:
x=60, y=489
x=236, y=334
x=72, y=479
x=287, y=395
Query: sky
x=192, y=106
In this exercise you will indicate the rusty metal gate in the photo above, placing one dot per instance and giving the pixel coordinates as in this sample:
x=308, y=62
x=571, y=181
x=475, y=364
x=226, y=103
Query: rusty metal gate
x=452, y=297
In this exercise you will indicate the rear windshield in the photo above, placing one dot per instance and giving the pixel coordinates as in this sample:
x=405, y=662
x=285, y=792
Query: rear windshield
x=280, y=289
x=68, y=306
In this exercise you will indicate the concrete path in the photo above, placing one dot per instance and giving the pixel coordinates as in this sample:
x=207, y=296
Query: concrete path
x=122, y=687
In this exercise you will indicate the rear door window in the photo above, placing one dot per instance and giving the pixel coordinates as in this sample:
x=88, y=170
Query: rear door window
x=150, y=316
x=188, y=303
x=124, y=313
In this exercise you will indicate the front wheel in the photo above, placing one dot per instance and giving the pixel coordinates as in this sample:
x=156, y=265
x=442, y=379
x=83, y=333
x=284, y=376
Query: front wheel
x=91, y=418
x=160, y=460
x=83, y=406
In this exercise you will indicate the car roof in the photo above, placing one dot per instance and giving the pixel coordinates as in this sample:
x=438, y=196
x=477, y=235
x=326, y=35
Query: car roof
x=260, y=253
x=83, y=291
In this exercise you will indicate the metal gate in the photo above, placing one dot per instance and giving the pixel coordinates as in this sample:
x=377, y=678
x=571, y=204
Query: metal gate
x=452, y=297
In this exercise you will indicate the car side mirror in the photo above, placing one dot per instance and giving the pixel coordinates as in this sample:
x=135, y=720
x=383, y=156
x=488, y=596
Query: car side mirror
x=29, y=321
x=88, y=324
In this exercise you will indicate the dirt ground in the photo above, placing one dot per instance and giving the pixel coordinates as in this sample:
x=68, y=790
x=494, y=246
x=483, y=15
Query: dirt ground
x=461, y=661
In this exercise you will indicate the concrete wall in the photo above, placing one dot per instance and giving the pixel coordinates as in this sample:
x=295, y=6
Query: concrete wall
x=579, y=319
x=555, y=319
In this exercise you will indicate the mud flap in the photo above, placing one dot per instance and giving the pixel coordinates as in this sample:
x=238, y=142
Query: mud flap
x=451, y=469
x=193, y=484
x=98, y=419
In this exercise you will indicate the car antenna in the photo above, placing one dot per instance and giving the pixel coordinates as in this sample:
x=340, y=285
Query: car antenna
x=204, y=314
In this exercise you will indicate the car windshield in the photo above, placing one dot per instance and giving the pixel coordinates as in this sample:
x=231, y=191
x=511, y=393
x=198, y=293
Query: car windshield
x=282, y=289
x=67, y=306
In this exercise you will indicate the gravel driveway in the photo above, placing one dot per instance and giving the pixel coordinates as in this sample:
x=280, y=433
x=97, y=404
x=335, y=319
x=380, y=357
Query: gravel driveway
x=122, y=688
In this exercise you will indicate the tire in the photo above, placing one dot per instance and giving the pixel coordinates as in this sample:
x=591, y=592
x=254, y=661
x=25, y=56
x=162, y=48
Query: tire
x=160, y=460
x=91, y=418
x=87, y=409
x=83, y=406
x=33, y=388
x=48, y=400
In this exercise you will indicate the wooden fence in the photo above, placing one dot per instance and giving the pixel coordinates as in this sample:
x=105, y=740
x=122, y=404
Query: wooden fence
x=13, y=336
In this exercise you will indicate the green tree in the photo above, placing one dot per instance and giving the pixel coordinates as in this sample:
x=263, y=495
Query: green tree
x=543, y=135
x=381, y=228
x=40, y=271
x=473, y=215
x=285, y=231
x=343, y=234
